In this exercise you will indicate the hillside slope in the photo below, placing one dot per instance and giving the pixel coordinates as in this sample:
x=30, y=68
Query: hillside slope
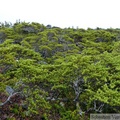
x=50, y=73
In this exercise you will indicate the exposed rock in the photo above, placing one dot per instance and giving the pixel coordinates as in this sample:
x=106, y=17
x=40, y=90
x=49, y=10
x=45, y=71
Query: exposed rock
x=49, y=26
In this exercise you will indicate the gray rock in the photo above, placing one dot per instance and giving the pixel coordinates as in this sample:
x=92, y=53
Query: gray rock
x=49, y=26
x=9, y=90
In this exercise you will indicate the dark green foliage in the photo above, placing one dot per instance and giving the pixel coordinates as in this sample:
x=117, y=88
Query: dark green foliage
x=60, y=73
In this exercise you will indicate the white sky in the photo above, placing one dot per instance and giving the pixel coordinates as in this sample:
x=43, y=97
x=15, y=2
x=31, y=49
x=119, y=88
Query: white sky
x=63, y=13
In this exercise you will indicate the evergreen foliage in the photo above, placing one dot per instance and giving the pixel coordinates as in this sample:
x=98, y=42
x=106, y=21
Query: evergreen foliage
x=58, y=74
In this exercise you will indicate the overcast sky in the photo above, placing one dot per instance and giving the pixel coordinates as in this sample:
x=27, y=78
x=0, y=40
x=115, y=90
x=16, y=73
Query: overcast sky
x=63, y=13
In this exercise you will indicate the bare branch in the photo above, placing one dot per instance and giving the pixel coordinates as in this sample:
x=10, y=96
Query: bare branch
x=99, y=109
x=11, y=93
x=8, y=99
x=77, y=88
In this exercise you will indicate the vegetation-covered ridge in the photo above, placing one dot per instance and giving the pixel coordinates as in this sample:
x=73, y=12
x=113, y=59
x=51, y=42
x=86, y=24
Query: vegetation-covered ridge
x=49, y=73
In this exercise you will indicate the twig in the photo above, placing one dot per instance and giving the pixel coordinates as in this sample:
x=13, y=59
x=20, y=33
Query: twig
x=8, y=99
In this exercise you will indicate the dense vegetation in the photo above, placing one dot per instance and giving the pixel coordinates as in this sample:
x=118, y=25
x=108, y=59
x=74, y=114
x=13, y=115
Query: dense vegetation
x=49, y=73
